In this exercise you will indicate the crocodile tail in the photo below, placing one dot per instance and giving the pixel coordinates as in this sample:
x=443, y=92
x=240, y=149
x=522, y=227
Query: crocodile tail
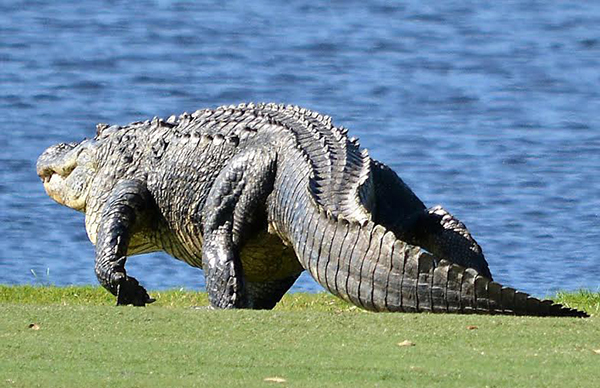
x=447, y=287
x=368, y=266
x=440, y=286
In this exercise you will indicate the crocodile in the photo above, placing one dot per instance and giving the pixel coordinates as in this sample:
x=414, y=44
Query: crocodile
x=254, y=194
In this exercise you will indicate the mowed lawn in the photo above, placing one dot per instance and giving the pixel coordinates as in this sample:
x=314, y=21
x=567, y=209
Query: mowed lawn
x=75, y=337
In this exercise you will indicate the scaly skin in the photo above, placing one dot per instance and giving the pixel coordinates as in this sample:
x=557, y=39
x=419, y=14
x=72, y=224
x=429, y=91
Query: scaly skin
x=254, y=195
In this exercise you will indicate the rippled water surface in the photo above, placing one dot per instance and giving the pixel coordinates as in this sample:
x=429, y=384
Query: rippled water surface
x=491, y=110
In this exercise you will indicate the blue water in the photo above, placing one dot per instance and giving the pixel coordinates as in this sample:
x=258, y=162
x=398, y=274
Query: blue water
x=489, y=108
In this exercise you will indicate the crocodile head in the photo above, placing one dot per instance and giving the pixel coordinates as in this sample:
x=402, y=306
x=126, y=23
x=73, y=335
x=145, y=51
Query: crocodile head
x=67, y=171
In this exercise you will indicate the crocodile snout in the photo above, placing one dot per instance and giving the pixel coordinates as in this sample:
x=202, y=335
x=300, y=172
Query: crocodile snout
x=57, y=159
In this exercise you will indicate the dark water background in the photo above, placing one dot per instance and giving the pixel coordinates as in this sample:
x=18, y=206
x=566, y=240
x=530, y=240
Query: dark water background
x=489, y=108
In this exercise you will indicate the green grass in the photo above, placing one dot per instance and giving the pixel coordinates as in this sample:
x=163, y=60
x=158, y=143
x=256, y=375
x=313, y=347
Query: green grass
x=78, y=338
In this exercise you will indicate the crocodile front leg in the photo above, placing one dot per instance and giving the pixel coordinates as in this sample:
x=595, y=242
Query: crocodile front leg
x=128, y=200
x=230, y=208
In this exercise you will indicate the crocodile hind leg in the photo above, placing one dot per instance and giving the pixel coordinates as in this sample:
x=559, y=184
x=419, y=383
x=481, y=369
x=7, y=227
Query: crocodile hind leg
x=265, y=295
x=442, y=234
x=434, y=229
x=230, y=208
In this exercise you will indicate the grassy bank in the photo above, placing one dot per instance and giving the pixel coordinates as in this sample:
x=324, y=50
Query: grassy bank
x=76, y=337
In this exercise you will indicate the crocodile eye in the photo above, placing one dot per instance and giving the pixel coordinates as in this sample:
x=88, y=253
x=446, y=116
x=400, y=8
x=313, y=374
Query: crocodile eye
x=233, y=140
x=101, y=127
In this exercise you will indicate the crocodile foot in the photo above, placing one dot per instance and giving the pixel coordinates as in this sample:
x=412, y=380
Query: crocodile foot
x=129, y=291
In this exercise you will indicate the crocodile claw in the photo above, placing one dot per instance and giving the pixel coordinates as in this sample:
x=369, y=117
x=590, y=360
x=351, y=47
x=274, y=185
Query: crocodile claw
x=129, y=292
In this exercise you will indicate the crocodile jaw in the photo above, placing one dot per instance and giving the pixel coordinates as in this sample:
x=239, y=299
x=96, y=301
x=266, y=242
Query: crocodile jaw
x=66, y=171
x=62, y=190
